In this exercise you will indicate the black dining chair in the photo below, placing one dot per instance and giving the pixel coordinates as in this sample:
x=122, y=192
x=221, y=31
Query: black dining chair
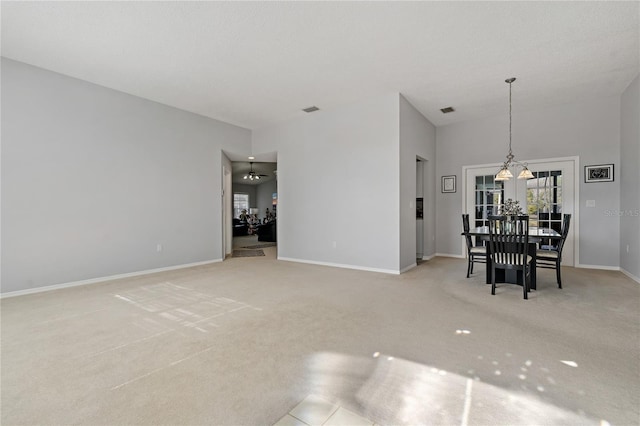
x=550, y=256
x=475, y=254
x=508, y=248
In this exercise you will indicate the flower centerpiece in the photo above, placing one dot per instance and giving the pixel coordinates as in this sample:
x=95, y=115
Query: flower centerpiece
x=511, y=208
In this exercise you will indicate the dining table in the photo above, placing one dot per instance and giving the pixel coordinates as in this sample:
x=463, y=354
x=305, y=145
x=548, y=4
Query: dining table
x=536, y=235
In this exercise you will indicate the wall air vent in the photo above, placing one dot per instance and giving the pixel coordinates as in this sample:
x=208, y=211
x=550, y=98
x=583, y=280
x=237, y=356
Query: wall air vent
x=447, y=110
x=311, y=109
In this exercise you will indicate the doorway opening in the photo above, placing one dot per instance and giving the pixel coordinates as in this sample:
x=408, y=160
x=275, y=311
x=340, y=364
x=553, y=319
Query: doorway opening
x=420, y=228
x=254, y=210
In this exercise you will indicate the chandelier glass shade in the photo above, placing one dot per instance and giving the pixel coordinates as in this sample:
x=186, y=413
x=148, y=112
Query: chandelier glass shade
x=251, y=175
x=505, y=173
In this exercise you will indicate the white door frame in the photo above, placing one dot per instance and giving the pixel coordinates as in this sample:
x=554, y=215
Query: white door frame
x=227, y=206
x=575, y=218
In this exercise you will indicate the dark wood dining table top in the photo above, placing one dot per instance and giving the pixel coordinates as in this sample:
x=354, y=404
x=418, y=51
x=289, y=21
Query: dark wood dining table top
x=533, y=232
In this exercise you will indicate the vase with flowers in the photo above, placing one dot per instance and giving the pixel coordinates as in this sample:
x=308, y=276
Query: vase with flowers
x=511, y=209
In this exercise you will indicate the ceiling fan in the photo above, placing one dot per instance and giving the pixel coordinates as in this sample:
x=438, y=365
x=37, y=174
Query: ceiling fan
x=253, y=175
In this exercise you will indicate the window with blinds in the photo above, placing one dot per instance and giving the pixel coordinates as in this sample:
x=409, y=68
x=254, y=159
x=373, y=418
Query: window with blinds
x=240, y=202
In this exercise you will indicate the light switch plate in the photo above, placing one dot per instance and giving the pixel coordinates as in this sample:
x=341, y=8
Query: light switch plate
x=591, y=203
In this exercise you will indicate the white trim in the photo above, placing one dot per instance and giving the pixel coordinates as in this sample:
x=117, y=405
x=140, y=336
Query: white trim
x=225, y=199
x=463, y=194
x=102, y=279
x=576, y=211
x=602, y=267
x=340, y=265
x=429, y=257
x=630, y=275
x=610, y=268
x=457, y=256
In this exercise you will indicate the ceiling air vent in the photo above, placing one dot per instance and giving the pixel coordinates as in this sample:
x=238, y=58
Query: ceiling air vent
x=447, y=110
x=311, y=109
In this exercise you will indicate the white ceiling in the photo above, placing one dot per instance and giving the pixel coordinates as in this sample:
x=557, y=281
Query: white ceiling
x=258, y=63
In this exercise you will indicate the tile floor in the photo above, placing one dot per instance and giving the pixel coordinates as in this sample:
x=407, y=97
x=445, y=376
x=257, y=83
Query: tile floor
x=315, y=411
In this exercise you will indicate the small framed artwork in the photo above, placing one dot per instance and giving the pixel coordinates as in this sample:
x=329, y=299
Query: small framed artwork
x=599, y=173
x=448, y=183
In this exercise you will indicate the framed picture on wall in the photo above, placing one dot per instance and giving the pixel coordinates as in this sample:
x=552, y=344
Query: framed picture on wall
x=449, y=183
x=599, y=173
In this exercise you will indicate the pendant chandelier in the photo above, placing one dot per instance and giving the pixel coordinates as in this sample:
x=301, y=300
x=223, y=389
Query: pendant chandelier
x=504, y=173
x=252, y=175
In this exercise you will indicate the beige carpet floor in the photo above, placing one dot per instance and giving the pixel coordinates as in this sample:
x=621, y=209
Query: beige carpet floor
x=244, y=341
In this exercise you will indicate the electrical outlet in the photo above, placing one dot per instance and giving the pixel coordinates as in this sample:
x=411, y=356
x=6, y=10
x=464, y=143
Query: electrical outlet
x=159, y=247
x=335, y=244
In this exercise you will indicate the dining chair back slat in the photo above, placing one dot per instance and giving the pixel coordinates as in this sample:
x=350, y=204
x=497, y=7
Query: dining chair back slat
x=508, y=246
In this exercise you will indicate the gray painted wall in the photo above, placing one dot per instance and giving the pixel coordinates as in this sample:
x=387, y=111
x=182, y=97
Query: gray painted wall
x=93, y=179
x=629, y=174
x=264, y=195
x=338, y=180
x=590, y=130
x=417, y=139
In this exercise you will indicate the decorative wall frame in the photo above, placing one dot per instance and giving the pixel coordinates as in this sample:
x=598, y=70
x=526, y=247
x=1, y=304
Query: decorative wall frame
x=448, y=184
x=598, y=173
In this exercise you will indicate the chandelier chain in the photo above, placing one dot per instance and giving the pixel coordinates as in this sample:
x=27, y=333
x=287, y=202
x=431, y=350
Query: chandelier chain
x=510, y=156
x=504, y=173
x=509, y=118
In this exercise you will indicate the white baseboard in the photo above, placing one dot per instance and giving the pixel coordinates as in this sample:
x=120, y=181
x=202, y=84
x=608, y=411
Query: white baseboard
x=610, y=268
x=340, y=265
x=457, y=256
x=429, y=257
x=102, y=279
x=630, y=275
x=603, y=267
